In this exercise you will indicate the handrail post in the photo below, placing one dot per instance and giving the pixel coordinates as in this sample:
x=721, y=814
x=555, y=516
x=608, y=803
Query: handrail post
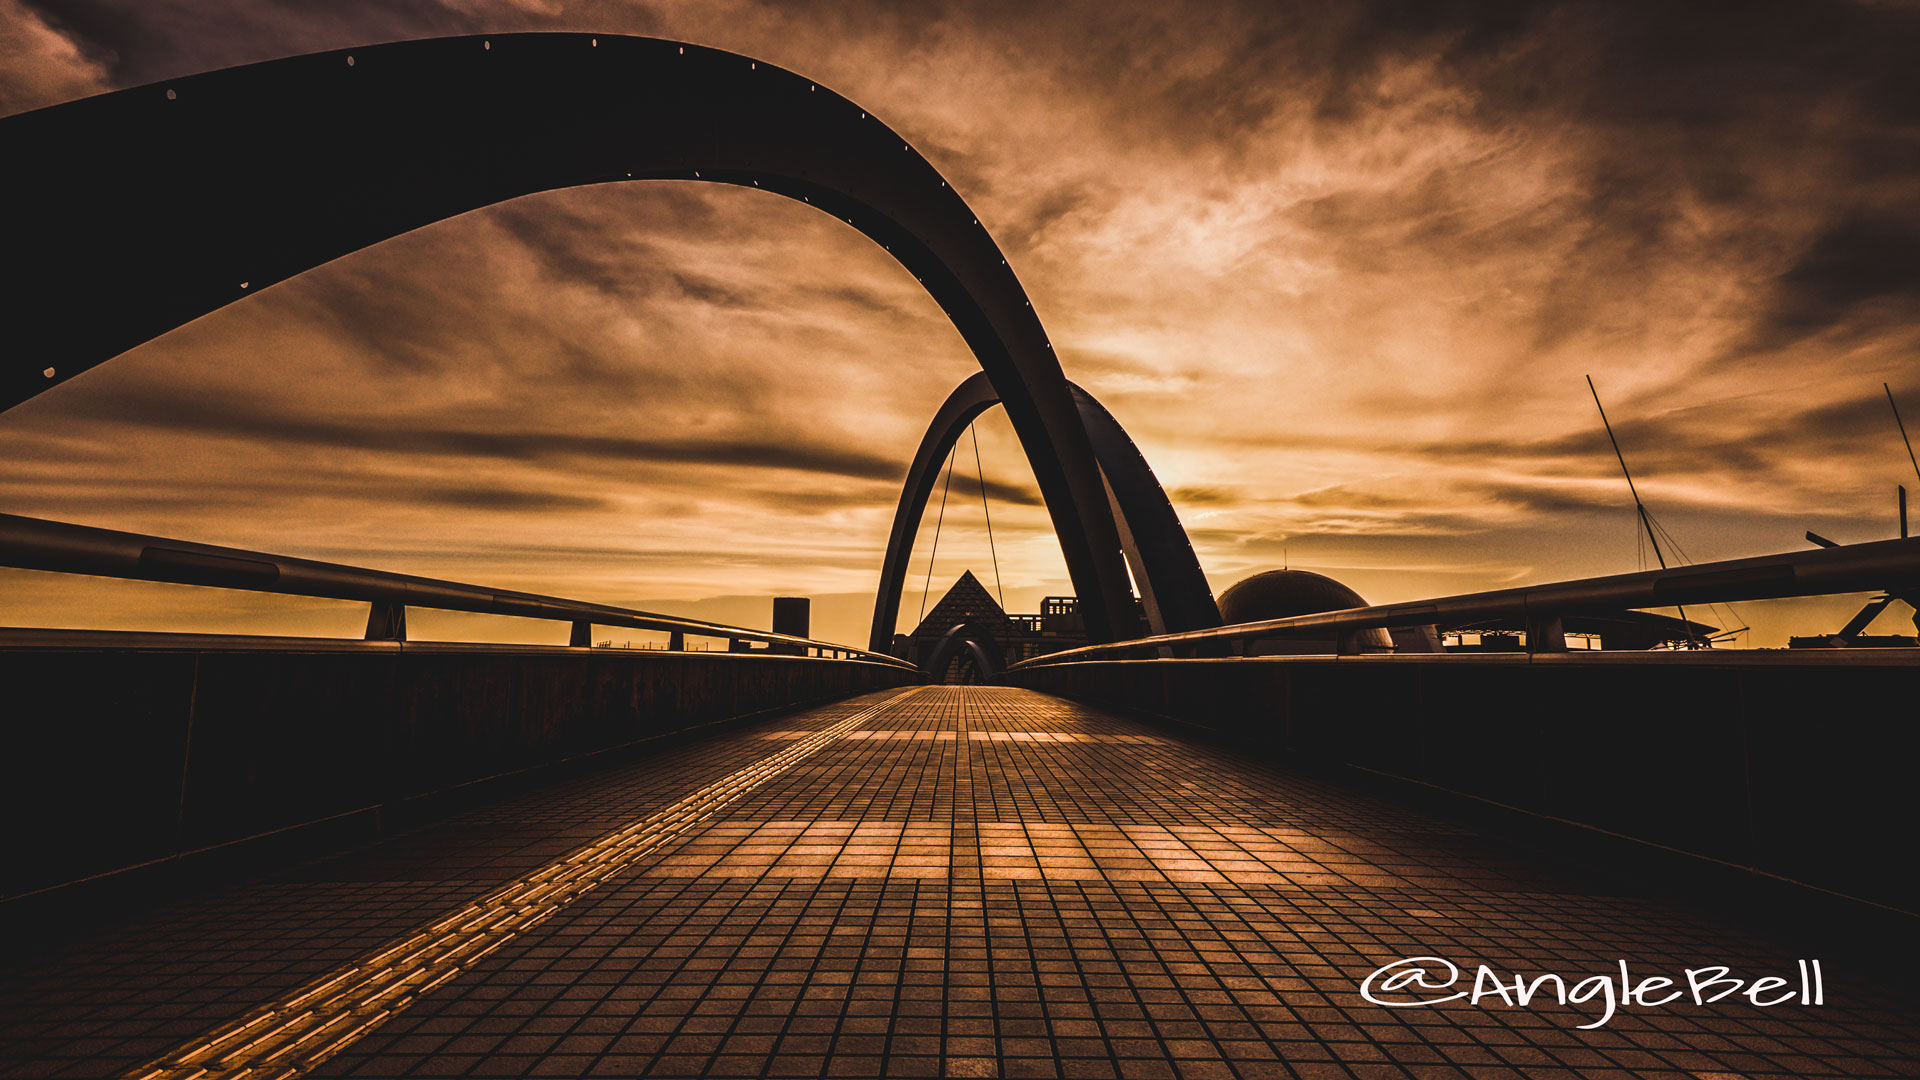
x=387, y=621
x=582, y=635
x=1546, y=633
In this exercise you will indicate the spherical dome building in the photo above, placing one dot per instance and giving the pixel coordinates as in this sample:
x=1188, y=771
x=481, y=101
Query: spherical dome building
x=1279, y=594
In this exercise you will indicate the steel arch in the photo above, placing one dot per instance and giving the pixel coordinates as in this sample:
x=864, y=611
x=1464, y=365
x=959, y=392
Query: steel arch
x=1173, y=587
x=135, y=212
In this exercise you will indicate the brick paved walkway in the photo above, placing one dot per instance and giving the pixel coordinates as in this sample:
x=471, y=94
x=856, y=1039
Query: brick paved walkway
x=976, y=882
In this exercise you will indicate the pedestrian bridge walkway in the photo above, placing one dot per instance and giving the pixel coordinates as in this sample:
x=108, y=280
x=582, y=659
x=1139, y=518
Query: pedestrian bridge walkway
x=940, y=881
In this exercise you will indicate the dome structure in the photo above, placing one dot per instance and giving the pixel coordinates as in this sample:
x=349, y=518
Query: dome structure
x=1280, y=594
x=1277, y=594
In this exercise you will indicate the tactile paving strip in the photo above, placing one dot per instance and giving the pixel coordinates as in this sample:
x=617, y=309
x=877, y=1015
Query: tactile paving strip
x=293, y=1035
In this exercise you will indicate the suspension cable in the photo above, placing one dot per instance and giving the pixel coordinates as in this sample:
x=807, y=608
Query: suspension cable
x=951, y=456
x=982, y=476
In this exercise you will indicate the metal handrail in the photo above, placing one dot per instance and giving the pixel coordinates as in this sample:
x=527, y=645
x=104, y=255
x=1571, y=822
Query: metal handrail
x=1881, y=564
x=29, y=543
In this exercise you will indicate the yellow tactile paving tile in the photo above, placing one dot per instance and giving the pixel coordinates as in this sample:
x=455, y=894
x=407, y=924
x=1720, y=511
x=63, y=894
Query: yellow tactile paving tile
x=299, y=1032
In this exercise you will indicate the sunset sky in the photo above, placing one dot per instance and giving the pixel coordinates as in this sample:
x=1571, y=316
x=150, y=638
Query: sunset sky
x=1338, y=268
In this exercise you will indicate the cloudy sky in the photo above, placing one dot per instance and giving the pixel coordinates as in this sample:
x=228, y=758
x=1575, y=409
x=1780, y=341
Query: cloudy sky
x=1339, y=269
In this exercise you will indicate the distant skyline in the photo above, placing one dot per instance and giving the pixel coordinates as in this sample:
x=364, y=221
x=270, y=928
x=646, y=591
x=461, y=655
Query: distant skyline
x=1339, y=269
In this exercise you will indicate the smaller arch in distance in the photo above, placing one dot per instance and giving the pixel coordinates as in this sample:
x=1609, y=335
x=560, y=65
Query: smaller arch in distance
x=974, y=640
x=1155, y=543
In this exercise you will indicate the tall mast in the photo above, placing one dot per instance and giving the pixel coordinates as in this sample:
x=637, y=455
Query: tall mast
x=1903, y=428
x=1638, y=506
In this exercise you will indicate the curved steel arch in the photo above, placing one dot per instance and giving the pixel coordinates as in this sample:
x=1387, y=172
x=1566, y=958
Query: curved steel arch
x=1173, y=587
x=137, y=211
x=1165, y=567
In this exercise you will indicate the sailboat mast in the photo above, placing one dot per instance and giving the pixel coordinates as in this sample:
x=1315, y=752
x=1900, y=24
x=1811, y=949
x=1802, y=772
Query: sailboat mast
x=1903, y=428
x=1638, y=506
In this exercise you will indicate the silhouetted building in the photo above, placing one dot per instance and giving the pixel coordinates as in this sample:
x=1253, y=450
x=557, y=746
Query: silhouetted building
x=1854, y=635
x=792, y=616
x=967, y=630
x=1612, y=631
x=1283, y=594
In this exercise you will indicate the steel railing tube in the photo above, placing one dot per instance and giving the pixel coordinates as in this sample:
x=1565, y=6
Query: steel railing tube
x=29, y=543
x=1881, y=564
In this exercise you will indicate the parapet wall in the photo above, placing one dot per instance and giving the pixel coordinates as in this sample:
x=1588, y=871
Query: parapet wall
x=1797, y=765
x=119, y=755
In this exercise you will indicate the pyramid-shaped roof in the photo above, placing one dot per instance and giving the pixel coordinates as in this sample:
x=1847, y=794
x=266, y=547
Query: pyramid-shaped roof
x=967, y=601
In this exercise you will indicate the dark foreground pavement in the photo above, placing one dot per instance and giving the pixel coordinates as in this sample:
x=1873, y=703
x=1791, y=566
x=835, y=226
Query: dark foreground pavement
x=970, y=882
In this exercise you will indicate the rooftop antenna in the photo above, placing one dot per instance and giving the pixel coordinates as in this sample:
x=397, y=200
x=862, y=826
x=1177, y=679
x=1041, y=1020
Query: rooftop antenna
x=1638, y=506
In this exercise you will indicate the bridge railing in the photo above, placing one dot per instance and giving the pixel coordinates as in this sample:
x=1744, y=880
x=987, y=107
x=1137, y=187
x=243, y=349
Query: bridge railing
x=1892, y=565
x=38, y=544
